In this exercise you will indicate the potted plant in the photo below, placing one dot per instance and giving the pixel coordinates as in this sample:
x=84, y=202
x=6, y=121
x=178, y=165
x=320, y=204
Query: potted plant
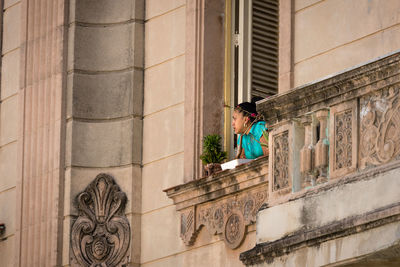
x=213, y=155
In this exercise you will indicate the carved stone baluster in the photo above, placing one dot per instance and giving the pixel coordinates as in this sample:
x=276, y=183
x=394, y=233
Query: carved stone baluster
x=322, y=148
x=306, y=153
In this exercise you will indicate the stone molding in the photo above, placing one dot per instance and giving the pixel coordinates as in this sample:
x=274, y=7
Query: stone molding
x=100, y=236
x=355, y=224
x=225, y=203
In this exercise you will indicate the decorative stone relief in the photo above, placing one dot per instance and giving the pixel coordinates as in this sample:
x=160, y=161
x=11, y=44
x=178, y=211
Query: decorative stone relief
x=281, y=161
x=188, y=232
x=100, y=236
x=228, y=217
x=379, y=127
x=234, y=230
x=343, y=139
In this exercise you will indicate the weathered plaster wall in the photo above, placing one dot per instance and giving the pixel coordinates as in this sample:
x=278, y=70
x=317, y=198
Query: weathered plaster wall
x=9, y=117
x=332, y=35
x=336, y=204
x=340, y=203
x=345, y=250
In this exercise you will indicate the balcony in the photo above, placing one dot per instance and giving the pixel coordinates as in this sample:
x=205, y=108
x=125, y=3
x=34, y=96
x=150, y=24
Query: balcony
x=334, y=176
x=225, y=203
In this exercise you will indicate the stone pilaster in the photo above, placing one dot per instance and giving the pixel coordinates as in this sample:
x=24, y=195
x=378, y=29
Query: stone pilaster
x=41, y=97
x=105, y=106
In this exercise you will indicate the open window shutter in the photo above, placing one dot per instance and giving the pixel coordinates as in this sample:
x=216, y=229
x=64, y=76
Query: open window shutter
x=264, y=55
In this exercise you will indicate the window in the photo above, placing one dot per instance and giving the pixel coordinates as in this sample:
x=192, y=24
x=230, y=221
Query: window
x=254, y=52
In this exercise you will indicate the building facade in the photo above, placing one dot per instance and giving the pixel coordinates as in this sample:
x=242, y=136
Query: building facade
x=104, y=105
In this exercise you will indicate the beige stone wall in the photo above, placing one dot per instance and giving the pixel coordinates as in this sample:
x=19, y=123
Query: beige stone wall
x=104, y=110
x=9, y=116
x=163, y=147
x=162, y=129
x=333, y=35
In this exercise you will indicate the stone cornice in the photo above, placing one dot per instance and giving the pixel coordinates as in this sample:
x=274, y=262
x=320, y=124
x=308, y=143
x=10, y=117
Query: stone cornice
x=335, y=89
x=220, y=185
x=270, y=250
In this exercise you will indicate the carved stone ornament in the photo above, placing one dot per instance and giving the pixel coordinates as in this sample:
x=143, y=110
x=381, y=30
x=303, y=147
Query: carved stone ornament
x=343, y=139
x=188, y=231
x=234, y=230
x=379, y=127
x=281, y=161
x=230, y=217
x=100, y=236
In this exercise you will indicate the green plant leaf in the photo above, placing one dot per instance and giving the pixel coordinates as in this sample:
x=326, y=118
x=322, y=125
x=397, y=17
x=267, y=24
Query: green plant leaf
x=212, y=150
x=266, y=137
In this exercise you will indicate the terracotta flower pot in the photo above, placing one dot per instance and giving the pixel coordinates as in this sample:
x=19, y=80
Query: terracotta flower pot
x=212, y=168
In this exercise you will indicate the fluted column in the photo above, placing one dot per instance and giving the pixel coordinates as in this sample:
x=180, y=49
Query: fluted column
x=40, y=185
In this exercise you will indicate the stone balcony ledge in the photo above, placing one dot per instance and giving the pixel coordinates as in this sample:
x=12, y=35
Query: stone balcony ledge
x=216, y=201
x=220, y=184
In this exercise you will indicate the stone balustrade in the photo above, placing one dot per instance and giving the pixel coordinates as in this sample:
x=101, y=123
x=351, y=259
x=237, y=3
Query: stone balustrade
x=332, y=128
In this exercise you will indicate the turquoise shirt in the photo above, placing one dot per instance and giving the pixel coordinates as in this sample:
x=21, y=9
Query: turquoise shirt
x=251, y=142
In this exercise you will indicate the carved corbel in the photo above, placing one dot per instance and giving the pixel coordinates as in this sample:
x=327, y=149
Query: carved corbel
x=188, y=226
x=322, y=147
x=100, y=236
x=306, y=153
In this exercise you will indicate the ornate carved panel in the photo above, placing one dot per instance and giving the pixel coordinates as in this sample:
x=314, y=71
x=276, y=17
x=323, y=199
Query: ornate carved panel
x=280, y=152
x=230, y=217
x=343, y=139
x=100, y=236
x=379, y=127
